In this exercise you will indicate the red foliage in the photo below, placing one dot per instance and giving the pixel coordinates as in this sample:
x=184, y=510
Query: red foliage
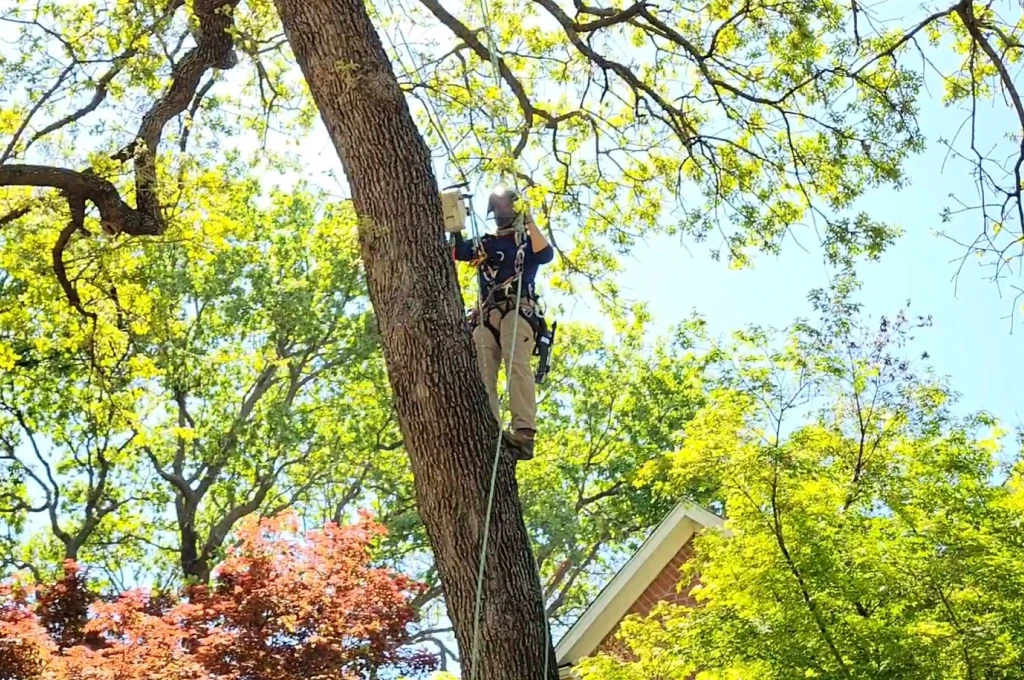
x=282, y=606
x=26, y=648
x=63, y=609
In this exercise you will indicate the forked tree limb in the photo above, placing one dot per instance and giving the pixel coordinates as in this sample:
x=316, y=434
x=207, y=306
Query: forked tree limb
x=116, y=216
x=214, y=49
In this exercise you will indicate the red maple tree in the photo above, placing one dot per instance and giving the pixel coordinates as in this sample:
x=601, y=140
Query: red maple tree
x=281, y=606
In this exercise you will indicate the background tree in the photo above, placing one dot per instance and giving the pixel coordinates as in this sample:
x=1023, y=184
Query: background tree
x=281, y=605
x=200, y=391
x=874, y=538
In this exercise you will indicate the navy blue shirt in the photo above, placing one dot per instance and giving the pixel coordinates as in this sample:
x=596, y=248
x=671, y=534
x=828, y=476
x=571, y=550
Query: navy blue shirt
x=501, y=252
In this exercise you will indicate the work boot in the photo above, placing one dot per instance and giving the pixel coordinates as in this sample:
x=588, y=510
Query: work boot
x=522, y=442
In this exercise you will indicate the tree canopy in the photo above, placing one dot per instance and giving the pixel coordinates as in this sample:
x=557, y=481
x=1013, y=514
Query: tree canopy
x=187, y=341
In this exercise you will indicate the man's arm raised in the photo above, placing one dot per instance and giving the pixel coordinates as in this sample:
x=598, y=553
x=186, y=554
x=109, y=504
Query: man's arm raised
x=542, y=250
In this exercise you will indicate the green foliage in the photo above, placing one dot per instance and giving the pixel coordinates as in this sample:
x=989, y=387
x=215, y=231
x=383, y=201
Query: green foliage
x=231, y=366
x=610, y=414
x=871, y=539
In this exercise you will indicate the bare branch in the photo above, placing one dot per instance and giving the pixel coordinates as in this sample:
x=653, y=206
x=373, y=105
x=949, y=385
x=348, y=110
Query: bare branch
x=965, y=10
x=610, y=491
x=193, y=110
x=468, y=36
x=35, y=109
x=98, y=96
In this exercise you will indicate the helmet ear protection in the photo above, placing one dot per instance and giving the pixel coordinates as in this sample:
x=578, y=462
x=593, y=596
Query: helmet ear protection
x=504, y=204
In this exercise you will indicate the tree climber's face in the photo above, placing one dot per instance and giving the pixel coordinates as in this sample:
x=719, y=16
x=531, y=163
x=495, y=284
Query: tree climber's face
x=502, y=203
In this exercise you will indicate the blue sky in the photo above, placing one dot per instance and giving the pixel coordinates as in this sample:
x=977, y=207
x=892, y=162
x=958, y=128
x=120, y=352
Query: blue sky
x=970, y=341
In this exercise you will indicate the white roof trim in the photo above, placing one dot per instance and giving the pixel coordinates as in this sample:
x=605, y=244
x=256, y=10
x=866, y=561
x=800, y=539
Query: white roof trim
x=612, y=603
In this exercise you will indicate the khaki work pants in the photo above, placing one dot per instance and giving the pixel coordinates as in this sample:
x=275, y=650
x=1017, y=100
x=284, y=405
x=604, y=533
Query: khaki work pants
x=522, y=393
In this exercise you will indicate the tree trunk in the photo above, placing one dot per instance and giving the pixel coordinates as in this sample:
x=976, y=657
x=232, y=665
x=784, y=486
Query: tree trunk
x=447, y=426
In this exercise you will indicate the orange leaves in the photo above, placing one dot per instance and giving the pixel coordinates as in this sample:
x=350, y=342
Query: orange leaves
x=283, y=605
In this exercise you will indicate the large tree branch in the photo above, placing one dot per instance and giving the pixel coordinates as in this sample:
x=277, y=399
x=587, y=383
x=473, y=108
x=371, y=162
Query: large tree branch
x=229, y=442
x=609, y=16
x=115, y=215
x=220, y=530
x=676, y=118
x=76, y=205
x=176, y=480
x=214, y=49
x=573, y=571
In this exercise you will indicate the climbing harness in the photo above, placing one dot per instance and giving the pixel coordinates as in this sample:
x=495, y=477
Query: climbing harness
x=500, y=298
x=504, y=297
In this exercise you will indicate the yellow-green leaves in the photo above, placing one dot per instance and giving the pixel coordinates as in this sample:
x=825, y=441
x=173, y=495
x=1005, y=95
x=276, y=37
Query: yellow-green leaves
x=751, y=114
x=871, y=534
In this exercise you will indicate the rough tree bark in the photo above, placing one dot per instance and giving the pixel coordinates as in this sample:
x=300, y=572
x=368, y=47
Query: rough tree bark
x=441, y=402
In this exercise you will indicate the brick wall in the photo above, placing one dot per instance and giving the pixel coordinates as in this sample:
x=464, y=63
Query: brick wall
x=664, y=588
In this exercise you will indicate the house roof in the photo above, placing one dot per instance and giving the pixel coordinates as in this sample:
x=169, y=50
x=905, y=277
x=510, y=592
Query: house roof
x=614, y=601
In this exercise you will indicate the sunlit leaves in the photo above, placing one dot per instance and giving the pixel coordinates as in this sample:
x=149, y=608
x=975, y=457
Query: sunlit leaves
x=871, y=535
x=792, y=121
x=610, y=414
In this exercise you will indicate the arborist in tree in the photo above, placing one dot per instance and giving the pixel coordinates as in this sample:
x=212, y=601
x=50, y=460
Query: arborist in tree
x=517, y=248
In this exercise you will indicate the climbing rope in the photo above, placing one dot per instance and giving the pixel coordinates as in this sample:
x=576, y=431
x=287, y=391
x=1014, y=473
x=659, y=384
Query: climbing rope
x=496, y=70
x=490, y=494
x=492, y=48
